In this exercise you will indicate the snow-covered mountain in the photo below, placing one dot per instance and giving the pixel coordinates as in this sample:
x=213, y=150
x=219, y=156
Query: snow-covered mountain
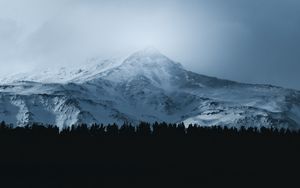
x=146, y=86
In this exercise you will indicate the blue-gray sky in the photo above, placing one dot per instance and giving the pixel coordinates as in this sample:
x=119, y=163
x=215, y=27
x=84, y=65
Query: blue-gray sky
x=255, y=41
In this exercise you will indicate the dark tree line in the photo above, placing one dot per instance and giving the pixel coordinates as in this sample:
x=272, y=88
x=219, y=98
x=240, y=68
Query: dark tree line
x=148, y=155
x=145, y=129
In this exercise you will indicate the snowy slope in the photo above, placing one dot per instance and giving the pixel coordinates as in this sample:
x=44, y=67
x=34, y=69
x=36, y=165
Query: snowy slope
x=146, y=86
x=63, y=74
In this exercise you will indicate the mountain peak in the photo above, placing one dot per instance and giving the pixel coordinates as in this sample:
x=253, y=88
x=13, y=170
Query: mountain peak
x=150, y=58
x=148, y=52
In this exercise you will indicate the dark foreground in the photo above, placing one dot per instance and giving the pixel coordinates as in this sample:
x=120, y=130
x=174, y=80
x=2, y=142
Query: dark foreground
x=167, y=156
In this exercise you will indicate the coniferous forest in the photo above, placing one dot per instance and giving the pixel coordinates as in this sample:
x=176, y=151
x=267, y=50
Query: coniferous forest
x=147, y=155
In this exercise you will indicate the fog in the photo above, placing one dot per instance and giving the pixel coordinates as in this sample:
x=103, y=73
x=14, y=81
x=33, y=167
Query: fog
x=254, y=41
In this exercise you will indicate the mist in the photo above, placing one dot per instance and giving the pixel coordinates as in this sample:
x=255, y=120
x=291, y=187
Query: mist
x=248, y=41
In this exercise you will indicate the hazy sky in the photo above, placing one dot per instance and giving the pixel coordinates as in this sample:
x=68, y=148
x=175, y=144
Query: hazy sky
x=256, y=41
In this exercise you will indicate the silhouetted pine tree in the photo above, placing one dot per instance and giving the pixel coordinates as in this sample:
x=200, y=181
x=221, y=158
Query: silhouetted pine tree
x=143, y=129
x=112, y=130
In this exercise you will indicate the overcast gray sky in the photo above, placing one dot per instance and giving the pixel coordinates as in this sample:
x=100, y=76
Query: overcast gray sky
x=255, y=41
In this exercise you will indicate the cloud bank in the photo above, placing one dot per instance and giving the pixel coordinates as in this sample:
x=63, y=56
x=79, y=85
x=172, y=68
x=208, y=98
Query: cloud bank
x=250, y=41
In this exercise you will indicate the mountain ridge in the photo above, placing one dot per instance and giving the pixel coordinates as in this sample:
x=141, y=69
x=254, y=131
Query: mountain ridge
x=146, y=86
